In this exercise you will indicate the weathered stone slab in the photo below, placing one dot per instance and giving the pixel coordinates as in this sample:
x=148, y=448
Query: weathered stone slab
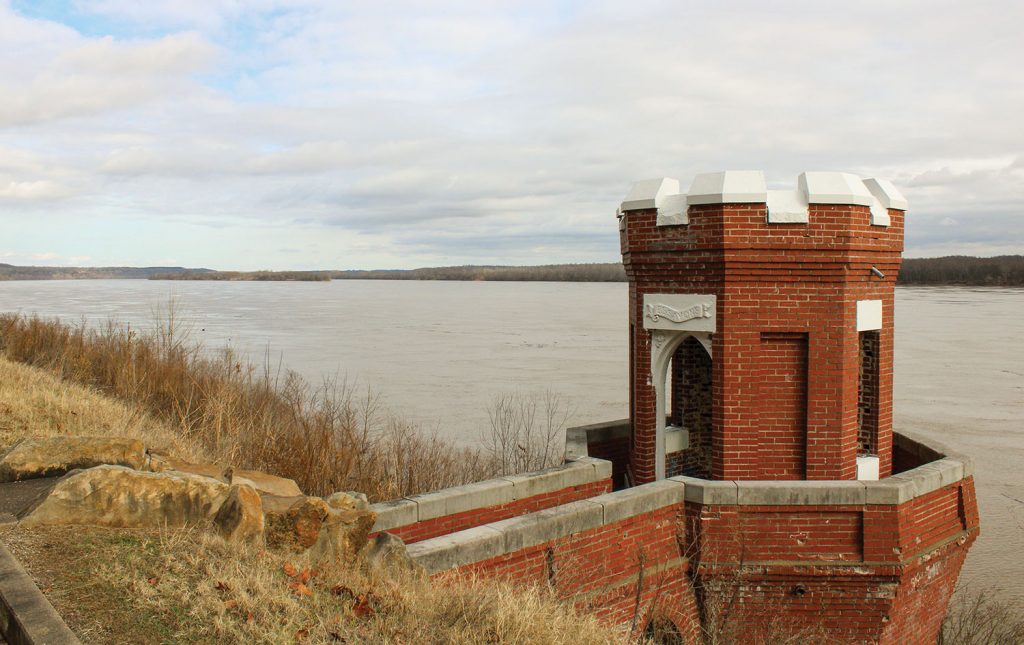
x=641, y=499
x=549, y=524
x=457, y=549
x=399, y=512
x=117, y=496
x=336, y=531
x=49, y=456
x=263, y=482
x=800, y=493
x=240, y=517
x=708, y=492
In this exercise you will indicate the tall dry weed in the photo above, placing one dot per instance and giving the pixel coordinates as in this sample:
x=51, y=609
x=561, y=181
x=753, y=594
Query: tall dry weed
x=327, y=438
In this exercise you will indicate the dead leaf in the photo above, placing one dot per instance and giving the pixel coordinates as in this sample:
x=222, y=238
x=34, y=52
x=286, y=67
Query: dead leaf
x=306, y=574
x=155, y=580
x=336, y=637
x=250, y=619
x=300, y=589
x=362, y=607
x=342, y=590
x=222, y=586
x=230, y=604
x=290, y=570
x=302, y=634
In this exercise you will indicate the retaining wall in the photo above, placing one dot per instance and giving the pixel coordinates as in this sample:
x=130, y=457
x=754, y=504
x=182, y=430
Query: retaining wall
x=420, y=517
x=865, y=561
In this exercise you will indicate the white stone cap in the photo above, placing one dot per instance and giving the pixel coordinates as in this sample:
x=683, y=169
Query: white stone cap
x=886, y=193
x=749, y=187
x=649, y=193
x=728, y=187
x=834, y=188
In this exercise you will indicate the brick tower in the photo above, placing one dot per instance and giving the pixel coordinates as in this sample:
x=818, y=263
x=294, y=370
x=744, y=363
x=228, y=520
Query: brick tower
x=761, y=326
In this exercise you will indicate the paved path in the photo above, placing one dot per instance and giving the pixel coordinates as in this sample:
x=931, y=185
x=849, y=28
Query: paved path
x=16, y=496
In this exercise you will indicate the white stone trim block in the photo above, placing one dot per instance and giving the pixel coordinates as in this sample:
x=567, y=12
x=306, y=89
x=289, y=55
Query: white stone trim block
x=834, y=188
x=867, y=468
x=869, y=315
x=729, y=187
x=886, y=193
x=649, y=193
x=787, y=207
x=673, y=211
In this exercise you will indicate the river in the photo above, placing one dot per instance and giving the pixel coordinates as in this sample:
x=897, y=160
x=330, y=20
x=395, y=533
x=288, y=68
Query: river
x=439, y=352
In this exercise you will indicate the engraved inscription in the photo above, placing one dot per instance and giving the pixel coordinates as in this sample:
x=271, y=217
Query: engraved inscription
x=657, y=311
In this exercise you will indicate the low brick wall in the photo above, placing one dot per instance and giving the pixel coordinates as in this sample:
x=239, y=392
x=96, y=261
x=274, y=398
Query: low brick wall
x=866, y=561
x=420, y=517
x=614, y=555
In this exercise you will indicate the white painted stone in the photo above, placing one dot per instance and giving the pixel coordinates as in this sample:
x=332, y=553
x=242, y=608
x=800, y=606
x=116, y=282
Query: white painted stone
x=679, y=312
x=834, y=188
x=729, y=187
x=869, y=315
x=649, y=193
x=886, y=193
x=879, y=214
x=867, y=468
x=787, y=207
x=673, y=211
x=676, y=439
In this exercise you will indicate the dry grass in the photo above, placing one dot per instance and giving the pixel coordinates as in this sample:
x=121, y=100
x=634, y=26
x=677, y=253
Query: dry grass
x=190, y=586
x=329, y=438
x=34, y=402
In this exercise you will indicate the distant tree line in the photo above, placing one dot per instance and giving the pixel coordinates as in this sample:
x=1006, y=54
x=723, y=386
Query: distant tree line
x=1000, y=271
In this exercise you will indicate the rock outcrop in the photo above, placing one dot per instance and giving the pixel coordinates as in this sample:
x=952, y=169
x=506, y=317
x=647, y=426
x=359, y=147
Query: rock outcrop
x=117, y=496
x=116, y=483
x=51, y=456
x=240, y=517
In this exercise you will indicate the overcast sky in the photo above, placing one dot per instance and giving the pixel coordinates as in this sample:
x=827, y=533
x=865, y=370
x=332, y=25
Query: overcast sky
x=293, y=134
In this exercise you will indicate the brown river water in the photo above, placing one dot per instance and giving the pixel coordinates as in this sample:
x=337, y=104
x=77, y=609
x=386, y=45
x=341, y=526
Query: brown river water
x=439, y=352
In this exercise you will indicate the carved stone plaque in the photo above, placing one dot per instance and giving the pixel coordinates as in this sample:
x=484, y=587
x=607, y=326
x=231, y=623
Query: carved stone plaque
x=681, y=312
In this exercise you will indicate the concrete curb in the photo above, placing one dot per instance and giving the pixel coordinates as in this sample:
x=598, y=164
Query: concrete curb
x=26, y=616
x=492, y=492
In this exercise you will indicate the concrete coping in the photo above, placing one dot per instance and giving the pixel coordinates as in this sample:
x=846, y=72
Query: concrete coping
x=26, y=616
x=749, y=187
x=577, y=471
x=897, y=489
x=577, y=439
x=507, y=536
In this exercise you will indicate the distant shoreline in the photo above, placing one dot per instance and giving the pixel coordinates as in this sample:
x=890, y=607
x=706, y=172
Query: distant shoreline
x=1000, y=271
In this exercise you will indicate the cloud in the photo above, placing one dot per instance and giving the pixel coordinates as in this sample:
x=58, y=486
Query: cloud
x=408, y=133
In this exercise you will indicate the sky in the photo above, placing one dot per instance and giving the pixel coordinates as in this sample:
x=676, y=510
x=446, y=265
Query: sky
x=299, y=134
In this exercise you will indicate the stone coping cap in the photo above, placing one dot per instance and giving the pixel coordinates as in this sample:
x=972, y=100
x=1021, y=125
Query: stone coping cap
x=510, y=535
x=577, y=471
x=896, y=489
x=749, y=187
x=578, y=438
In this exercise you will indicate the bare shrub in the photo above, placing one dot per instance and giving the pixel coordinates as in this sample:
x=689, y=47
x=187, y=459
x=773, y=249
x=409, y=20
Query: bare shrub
x=527, y=431
x=982, y=617
x=326, y=438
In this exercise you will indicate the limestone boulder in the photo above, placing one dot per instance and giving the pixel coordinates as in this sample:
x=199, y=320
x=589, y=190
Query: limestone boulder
x=264, y=483
x=160, y=463
x=51, y=456
x=327, y=531
x=240, y=517
x=117, y=496
x=298, y=527
x=344, y=532
x=387, y=551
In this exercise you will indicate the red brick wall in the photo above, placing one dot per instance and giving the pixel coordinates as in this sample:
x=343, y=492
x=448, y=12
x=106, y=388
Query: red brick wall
x=783, y=415
x=600, y=570
x=769, y=278
x=468, y=519
x=876, y=573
